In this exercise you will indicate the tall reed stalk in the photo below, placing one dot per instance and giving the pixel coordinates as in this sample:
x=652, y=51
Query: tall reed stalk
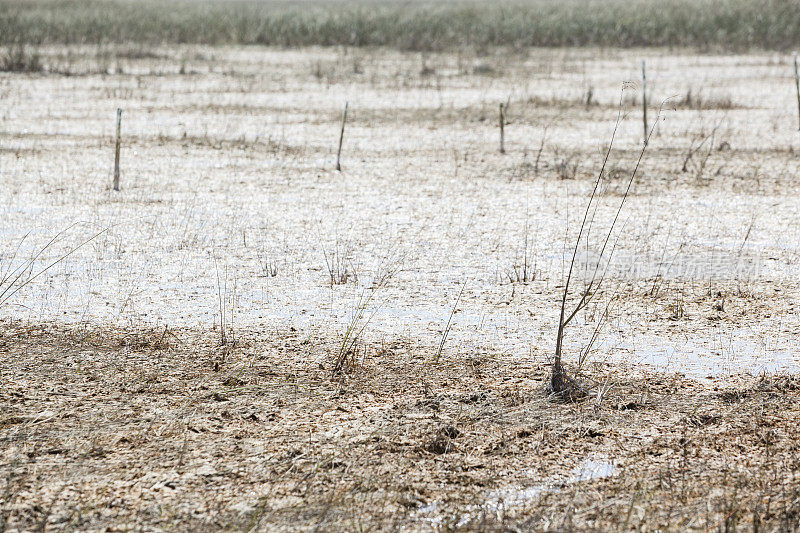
x=560, y=382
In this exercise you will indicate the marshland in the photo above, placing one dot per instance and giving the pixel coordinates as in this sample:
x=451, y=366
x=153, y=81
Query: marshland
x=243, y=337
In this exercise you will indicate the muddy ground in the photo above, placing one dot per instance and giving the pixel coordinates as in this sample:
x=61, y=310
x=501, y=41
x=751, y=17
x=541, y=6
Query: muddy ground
x=153, y=430
x=177, y=370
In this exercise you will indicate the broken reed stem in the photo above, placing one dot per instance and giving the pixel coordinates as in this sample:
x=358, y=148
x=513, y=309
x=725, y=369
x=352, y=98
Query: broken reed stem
x=116, y=150
x=797, y=87
x=341, y=138
x=502, y=129
x=644, y=100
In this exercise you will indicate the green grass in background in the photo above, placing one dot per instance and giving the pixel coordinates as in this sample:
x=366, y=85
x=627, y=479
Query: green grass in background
x=417, y=25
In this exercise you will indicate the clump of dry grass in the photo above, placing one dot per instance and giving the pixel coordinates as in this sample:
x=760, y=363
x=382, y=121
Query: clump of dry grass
x=697, y=100
x=566, y=167
x=524, y=268
x=364, y=310
x=561, y=384
x=339, y=264
x=269, y=267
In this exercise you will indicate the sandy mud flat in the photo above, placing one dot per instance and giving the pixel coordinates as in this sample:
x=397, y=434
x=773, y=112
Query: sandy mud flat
x=176, y=370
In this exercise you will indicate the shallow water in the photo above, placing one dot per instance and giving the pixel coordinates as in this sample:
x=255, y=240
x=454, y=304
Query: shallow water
x=520, y=497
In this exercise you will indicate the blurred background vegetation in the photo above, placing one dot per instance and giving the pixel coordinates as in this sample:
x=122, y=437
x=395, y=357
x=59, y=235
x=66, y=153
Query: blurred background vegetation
x=423, y=25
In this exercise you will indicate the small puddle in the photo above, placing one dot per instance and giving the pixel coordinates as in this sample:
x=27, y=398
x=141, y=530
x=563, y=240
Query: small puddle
x=508, y=498
x=593, y=469
x=589, y=469
x=740, y=350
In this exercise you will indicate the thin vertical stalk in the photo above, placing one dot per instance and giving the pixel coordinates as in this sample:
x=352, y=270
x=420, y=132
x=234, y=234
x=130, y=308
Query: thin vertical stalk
x=644, y=100
x=502, y=129
x=341, y=138
x=116, y=150
x=797, y=87
x=449, y=324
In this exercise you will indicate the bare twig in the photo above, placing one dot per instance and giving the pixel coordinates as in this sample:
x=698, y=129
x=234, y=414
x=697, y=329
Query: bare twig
x=449, y=324
x=644, y=101
x=502, y=129
x=341, y=138
x=541, y=145
x=116, y=150
x=797, y=86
